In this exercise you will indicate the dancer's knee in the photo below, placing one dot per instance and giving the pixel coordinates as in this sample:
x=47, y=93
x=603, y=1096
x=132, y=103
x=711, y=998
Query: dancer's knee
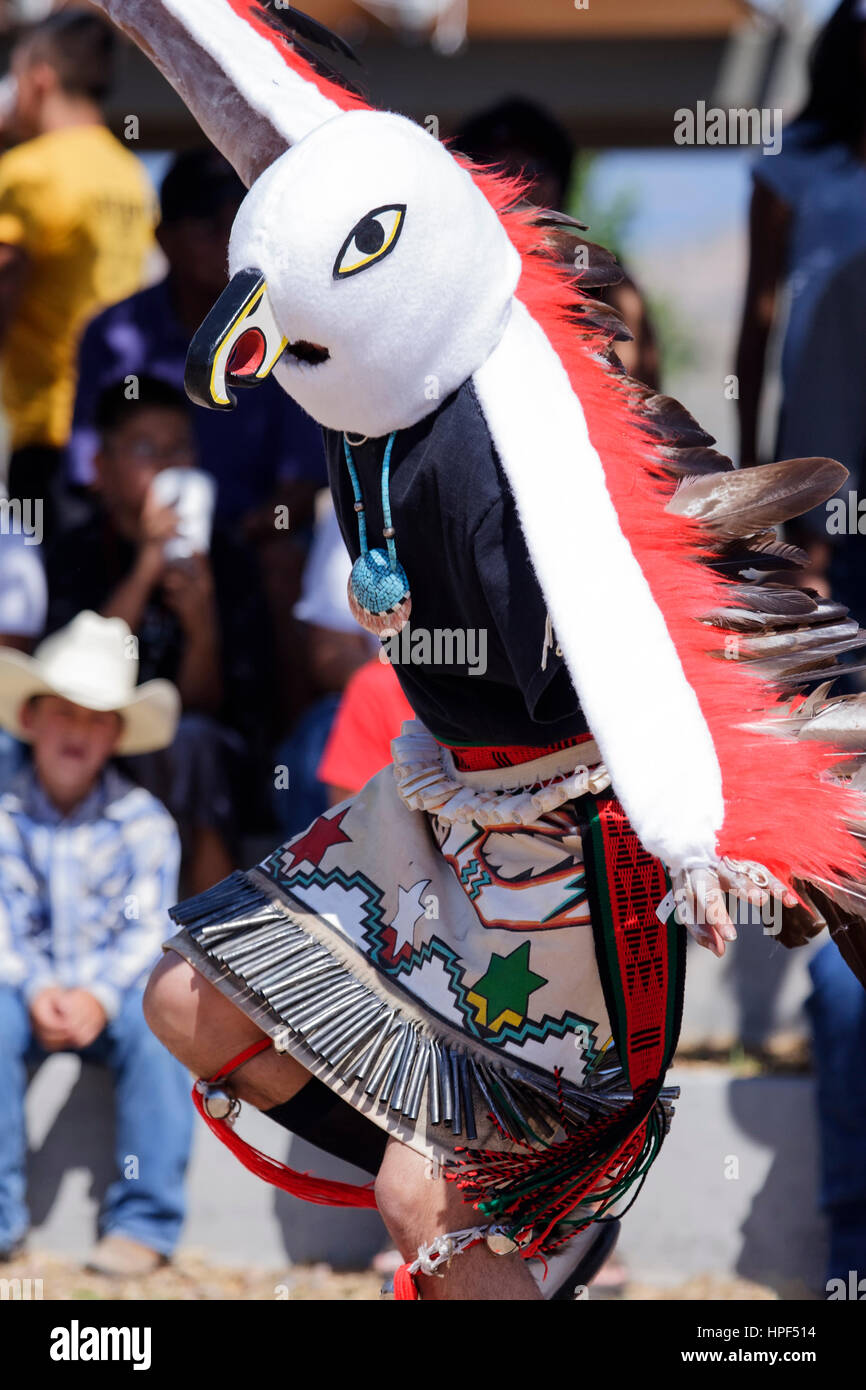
x=170, y=1004
x=205, y=1030
x=398, y=1207
x=414, y=1205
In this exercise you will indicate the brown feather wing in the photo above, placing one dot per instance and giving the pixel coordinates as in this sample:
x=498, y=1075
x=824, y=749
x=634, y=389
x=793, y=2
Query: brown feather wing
x=749, y=500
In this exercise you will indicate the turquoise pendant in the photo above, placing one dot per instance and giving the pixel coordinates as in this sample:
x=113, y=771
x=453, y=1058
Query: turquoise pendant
x=379, y=593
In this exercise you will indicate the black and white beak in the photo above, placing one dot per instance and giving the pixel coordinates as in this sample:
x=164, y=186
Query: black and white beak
x=237, y=345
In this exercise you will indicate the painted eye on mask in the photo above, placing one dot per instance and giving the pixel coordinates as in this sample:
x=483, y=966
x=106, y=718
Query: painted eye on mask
x=370, y=239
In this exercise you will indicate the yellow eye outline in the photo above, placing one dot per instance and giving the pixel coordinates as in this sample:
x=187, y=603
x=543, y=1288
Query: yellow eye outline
x=341, y=272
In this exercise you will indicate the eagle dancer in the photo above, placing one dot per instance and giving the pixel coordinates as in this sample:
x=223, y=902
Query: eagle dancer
x=468, y=978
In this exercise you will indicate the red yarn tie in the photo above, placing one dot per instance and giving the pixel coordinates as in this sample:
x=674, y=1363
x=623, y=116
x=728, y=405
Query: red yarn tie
x=322, y=1191
x=405, y=1288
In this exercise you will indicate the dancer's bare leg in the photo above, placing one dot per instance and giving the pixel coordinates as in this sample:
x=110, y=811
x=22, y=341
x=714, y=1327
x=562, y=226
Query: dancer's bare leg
x=205, y=1030
x=417, y=1207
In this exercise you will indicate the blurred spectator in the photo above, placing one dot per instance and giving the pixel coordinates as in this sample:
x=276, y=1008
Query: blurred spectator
x=370, y=714
x=199, y=622
x=808, y=217
x=76, y=226
x=837, y=1011
x=260, y=457
x=338, y=645
x=88, y=869
x=527, y=142
x=827, y=415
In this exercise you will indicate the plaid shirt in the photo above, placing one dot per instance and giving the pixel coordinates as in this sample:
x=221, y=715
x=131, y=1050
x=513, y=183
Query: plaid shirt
x=84, y=897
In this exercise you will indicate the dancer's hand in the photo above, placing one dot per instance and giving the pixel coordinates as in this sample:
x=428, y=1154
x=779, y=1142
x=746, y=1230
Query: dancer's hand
x=704, y=899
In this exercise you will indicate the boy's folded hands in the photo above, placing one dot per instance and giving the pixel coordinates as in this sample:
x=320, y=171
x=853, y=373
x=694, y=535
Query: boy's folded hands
x=66, y=1018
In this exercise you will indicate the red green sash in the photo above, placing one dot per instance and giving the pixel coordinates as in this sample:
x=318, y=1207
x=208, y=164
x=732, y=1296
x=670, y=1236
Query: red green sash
x=641, y=959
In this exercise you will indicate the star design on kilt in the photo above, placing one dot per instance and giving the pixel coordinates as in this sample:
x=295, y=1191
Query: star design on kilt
x=311, y=847
x=502, y=993
x=409, y=911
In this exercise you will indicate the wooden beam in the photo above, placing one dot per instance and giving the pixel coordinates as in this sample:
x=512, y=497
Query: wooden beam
x=624, y=19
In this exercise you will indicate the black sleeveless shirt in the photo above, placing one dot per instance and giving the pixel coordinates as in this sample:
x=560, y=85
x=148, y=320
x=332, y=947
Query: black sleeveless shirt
x=473, y=661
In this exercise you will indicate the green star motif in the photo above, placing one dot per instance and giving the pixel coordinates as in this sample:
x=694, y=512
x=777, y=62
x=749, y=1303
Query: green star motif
x=502, y=993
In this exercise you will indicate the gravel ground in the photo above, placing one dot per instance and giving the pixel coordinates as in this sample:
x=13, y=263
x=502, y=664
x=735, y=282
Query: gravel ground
x=193, y=1277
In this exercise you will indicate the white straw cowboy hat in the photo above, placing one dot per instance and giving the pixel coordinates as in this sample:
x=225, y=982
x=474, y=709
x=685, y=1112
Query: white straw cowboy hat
x=92, y=662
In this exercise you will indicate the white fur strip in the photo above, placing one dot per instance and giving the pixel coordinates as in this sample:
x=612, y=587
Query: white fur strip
x=643, y=713
x=293, y=105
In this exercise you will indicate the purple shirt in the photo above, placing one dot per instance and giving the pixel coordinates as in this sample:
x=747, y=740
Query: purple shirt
x=266, y=440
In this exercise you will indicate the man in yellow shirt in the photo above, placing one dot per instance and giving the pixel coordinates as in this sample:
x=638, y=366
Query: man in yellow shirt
x=76, y=224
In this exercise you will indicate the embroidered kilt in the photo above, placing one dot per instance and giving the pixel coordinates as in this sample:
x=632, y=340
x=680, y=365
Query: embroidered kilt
x=474, y=960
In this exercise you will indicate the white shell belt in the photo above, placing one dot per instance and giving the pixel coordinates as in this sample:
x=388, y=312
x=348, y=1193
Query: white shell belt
x=428, y=780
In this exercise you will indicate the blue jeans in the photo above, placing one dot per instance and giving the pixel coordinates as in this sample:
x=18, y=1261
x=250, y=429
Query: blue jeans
x=153, y=1113
x=837, y=1009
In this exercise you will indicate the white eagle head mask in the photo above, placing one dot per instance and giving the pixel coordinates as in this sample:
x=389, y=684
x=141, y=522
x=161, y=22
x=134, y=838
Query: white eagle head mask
x=369, y=272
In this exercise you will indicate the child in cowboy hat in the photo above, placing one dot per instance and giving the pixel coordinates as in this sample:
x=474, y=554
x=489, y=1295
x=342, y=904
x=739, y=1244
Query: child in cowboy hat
x=88, y=867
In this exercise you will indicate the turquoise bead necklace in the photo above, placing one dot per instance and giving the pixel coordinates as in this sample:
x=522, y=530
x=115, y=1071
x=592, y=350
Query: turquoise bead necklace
x=378, y=588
